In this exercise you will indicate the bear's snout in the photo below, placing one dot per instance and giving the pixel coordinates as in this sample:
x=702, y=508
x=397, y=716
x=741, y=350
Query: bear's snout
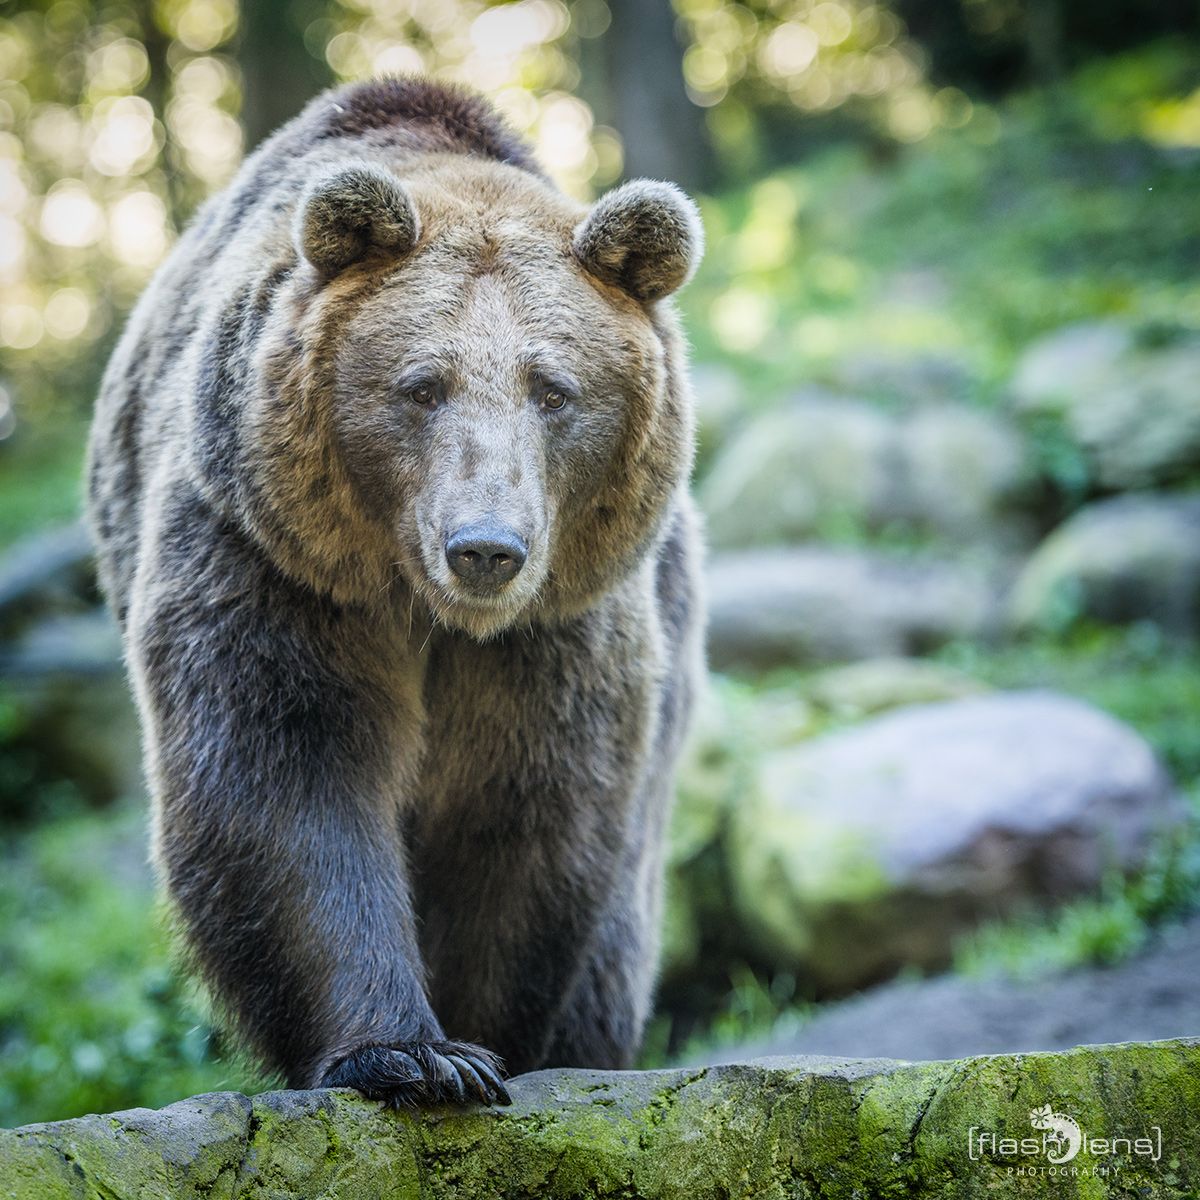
x=486, y=553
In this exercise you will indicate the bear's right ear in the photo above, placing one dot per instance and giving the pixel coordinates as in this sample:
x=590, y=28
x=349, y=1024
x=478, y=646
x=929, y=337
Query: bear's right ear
x=644, y=237
x=353, y=210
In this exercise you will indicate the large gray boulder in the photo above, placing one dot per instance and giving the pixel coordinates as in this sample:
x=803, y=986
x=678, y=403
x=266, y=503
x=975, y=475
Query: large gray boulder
x=46, y=571
x=799, y=470
x=1126, y=559
x=876, y=847
x=1134, y=410
x=1070, y=361
x=964, y=474
x=819, y=604
x=832, y=466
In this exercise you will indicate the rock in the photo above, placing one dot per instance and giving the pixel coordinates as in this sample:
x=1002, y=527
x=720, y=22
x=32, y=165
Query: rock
x=68, y=718
x=877, y=847
x=1133, y=410
x=1070, y=361
x=823, y=604
x=964, y=474
x=813, y=464
x=911, y=378
x=834, y=467
x=1126, y=559
x=87, y=643
x=799, y=1127
x=45, y=566
x=882, y=683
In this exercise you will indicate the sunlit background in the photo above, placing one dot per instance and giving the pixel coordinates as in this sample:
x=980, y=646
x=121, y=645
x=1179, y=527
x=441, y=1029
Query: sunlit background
x=950, y=312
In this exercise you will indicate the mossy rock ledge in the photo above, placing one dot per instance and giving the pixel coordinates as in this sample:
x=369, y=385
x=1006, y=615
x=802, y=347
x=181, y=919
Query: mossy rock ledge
x=778, y=1127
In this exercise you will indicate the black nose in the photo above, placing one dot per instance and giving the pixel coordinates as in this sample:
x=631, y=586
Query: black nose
x=486, y=552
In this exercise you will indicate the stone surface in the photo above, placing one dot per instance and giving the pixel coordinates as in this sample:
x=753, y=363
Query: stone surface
x=810, y=465
x=964, y=474
x=824, y=604
x=1126, y=559
x=79, y=644
x=1069, y=361
x=776, y=1128
x=1152, y=995
x=1133, y=409
x=43, y=568
x=905, y=376
x=825, y=465
x=876, y=847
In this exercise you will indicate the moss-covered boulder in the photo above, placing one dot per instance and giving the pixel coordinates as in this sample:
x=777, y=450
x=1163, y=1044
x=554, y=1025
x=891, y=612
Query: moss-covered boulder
x=1096, y=1121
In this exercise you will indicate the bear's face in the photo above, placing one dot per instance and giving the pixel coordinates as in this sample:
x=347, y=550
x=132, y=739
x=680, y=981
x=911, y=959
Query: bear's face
x=502, y=393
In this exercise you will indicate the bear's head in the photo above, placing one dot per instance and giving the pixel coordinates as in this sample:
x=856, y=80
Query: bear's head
x=477, y=389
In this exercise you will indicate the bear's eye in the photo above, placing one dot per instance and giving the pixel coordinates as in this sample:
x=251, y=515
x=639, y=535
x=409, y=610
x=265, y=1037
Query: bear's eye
x=553, y=398
x=422, y=394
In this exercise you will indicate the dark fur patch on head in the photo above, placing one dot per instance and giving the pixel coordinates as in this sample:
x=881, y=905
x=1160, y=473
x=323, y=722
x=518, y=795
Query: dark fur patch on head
x=448, y=118
x=644, y=237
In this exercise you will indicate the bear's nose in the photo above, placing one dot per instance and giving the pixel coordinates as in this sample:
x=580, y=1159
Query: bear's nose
x=485, y=553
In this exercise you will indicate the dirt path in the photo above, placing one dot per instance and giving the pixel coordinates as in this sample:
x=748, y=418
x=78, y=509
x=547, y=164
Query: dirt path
x=1154, y=995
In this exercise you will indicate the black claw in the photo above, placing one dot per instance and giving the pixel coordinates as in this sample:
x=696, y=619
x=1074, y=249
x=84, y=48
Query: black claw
x=471, y=1077
x=450, y=1082
x=412, y=1073
x=492, y=1077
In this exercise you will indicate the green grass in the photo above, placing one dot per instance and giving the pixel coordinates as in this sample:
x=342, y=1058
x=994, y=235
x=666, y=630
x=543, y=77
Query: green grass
x=1136, y=674
x=40, y=480
x=1099, y=931
x=92, y=1017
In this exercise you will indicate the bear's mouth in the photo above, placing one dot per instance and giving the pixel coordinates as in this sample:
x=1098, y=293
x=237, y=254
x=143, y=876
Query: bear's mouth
x=482, y=612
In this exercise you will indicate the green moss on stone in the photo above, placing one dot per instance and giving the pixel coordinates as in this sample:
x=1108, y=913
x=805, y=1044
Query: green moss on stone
x=771, y=1129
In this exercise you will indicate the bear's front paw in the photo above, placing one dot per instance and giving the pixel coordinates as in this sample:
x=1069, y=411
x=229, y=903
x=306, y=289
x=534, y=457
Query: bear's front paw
x=410, y=1073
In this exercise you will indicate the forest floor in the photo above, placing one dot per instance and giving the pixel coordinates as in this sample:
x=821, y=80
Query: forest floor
x=1151, y=995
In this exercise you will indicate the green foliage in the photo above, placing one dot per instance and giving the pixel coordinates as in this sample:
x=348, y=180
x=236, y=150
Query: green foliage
x=92, y=1018
x=1098, y=931
x=31, y=786
x=1029, y=216
x=39, y=481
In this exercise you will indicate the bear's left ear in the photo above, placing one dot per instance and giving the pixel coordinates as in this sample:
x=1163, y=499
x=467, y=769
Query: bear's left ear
x=351, y=211
x=645, y=237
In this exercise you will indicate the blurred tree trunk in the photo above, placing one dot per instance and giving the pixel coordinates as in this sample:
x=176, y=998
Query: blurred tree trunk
x=158, y=91
x=663, y=131
x=1044, y=41
x=279, y=75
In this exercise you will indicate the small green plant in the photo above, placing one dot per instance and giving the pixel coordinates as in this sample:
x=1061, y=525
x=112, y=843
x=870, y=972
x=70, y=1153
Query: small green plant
x=1099, y=931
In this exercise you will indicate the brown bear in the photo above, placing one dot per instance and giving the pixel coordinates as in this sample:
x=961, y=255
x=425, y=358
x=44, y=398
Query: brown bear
x=388, y=478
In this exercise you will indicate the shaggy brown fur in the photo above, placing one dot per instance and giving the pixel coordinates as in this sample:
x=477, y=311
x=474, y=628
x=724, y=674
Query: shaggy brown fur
x=405, y=807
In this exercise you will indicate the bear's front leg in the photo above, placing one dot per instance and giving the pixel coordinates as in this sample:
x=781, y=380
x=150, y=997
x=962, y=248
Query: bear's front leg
x=278, y=732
